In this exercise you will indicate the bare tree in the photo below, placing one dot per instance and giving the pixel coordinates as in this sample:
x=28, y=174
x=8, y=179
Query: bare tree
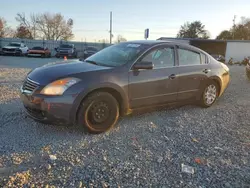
x=23, y=32
x=47, y=26
x=30, y=24
x=5, y=30
x=120, y=38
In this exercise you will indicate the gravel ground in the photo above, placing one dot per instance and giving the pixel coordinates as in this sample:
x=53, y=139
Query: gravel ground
x=146, y=150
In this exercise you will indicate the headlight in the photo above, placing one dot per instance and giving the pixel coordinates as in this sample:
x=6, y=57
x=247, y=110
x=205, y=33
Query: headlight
x=58, y=87
x=85, y=52
x=71, y=51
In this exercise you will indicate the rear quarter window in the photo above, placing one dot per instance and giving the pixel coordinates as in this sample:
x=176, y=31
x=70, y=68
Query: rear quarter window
x=203, y=58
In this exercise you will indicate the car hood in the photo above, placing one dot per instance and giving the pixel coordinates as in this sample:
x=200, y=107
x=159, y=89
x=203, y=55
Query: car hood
x=57, y=70
x=11, y=47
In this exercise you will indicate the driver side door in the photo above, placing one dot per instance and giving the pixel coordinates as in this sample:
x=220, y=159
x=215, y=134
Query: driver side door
x=158, y=85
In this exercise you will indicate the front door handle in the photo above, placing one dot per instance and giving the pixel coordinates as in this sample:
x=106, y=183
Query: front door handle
x=172, y=76
x=206, y=71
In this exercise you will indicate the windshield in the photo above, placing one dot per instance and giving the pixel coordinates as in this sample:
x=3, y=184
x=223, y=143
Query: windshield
x=14, y=44
x=66, y=46
x=37, y=48
x=119, y=54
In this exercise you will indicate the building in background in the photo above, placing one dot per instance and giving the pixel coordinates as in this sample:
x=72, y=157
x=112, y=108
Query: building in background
x=237, y=49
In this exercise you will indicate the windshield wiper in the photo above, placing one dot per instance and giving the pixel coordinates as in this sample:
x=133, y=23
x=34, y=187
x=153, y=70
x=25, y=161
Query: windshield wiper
x=92, y=62
x=100, y=64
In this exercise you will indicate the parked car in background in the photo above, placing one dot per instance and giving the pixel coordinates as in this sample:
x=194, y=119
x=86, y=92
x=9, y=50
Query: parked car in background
x=67, y=50
x=15, y=48
x=38, y=51
x=219, y=57
x=120, y=79
x=88, y=51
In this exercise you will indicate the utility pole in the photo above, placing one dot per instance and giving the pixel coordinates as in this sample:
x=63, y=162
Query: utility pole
x=110, y=31
x=234, y=25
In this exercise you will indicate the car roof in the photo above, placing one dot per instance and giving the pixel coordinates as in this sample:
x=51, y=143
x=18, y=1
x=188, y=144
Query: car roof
x=149, y=42
x=157, y=42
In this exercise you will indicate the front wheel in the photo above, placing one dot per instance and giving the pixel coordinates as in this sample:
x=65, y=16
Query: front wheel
x=99, y=112
x=209, y=95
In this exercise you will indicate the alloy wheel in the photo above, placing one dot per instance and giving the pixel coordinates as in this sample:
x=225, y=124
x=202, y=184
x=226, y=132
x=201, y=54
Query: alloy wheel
x=210, y=94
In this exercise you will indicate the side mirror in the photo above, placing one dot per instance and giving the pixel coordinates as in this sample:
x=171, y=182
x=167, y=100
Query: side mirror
x=143, y=65
x=56, y=49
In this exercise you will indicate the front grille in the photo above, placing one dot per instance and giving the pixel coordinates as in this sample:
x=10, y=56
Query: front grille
x=64, y=52
x=29, y=85
x=9, y=50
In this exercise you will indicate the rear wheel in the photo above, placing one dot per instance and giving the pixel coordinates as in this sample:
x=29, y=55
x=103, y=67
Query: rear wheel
x=99, y=112
x=210, y=94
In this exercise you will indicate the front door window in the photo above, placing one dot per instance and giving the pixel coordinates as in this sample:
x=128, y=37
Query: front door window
x=161, y=58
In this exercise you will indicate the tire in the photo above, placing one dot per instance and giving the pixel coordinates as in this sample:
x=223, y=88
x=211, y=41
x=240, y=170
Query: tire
x=92, y=112
x=43, y=56
x=210, y=94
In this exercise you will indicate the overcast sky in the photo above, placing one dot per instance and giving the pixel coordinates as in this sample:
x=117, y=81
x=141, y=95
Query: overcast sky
x=131, y=17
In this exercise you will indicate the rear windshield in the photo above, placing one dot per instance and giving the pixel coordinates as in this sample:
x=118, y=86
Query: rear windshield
x=66, y=46
x=37, y=48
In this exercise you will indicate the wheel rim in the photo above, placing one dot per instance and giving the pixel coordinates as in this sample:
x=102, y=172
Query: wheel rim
x=98, y=113
x=210, y=94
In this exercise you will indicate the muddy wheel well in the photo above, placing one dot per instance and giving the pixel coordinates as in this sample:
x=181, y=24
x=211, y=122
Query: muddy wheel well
x=113, y=92
x=217, y=82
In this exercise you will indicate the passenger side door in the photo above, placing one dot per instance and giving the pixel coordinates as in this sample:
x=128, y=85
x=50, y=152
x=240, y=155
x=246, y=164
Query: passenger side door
x=158, y=85
x=193, y=70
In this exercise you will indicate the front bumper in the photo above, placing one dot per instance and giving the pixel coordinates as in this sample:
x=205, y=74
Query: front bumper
x=35, y=54
x=62, y=54
x=53, y=109
x=11, y=52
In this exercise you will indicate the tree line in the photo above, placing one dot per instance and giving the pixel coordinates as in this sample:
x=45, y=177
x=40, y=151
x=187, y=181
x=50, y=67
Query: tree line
x=55, y=27
x=39, y=26
x=239, y=31
x=45, y=26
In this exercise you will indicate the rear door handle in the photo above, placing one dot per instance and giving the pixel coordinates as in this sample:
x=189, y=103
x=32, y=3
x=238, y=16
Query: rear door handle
x=206, y=71
x=172, y=76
